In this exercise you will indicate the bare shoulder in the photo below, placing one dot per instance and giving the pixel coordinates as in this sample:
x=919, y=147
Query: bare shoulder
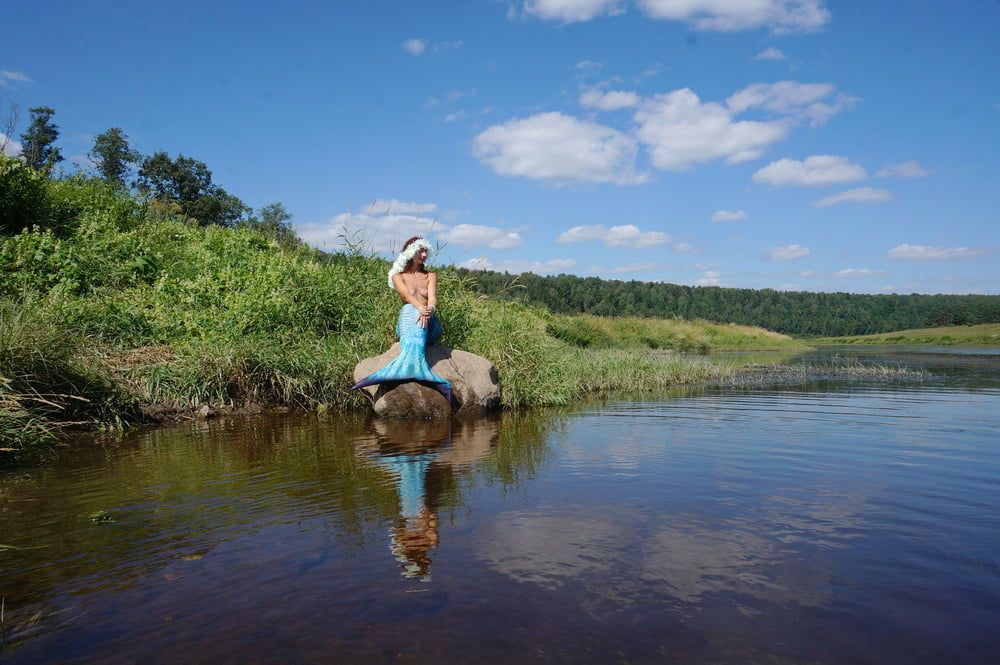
x=432, y=276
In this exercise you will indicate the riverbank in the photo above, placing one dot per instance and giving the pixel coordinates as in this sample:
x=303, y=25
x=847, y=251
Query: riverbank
x=113, y=308
x=987, y=334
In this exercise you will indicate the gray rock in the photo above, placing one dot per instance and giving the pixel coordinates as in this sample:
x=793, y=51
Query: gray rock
x=474, y=380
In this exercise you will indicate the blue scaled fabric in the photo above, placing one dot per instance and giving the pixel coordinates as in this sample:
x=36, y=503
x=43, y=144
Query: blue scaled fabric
x=411, y=363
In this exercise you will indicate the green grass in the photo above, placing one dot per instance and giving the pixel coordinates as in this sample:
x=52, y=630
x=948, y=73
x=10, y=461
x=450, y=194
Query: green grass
x=987, y=334
x=109, y=304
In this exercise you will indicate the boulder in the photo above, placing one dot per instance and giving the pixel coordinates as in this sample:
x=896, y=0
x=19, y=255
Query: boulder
x=474, y=381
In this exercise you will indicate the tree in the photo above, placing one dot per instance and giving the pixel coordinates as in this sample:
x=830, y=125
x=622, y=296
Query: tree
x=188, y=183
x=8, y=146
x=273, y=221
x=37, y=142
x=113, y=155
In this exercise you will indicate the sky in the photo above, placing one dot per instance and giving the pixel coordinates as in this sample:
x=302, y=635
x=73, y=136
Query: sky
x=789, y=144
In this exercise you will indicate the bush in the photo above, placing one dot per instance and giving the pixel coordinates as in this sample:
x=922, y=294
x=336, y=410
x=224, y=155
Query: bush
x=23, y=196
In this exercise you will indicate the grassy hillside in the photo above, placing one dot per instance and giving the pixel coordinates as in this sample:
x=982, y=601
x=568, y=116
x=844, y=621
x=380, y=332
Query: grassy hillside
x=109, y=304
x=987, y=334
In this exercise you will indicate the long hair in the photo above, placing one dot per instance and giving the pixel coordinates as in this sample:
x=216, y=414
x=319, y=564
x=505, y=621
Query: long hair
x=409, y=264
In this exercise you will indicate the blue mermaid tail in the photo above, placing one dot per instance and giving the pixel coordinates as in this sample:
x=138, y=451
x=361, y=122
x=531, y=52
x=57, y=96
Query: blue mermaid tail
x=411, y=363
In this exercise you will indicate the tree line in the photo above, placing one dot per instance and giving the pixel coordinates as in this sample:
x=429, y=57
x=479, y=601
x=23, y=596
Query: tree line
x=792, y=312
x=182, y=184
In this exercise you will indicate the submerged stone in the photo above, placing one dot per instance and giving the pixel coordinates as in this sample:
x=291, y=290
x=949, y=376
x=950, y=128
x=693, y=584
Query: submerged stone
x=474, y=380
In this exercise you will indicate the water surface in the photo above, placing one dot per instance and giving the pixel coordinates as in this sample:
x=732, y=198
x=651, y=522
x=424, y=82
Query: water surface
x=830, y=523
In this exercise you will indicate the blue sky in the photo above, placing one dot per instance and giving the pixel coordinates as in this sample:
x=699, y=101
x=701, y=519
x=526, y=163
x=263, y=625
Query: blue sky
x=790, y=144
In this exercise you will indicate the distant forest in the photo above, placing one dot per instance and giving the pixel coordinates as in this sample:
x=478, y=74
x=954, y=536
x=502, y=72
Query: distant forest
x=791, y=312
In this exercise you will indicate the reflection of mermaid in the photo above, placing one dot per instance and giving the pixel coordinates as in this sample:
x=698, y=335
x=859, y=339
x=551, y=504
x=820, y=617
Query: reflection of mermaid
x=416, y=531
x=417, y=325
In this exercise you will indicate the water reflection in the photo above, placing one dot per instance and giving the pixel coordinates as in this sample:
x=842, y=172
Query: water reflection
x=421, y=458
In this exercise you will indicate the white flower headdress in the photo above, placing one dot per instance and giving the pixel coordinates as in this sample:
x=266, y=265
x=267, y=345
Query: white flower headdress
x=406, y=255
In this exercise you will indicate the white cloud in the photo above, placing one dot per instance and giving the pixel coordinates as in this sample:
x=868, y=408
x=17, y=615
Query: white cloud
x=709, y=278
x=473, y=235
x=684, y=248
x=445, y=47
x=729, y=216
x=11, y=147
x=731, y=15
x=457, y=115
x=787, y=253
x=813, y=171
x=414, y=46
x=681, y=131
x=808, y=101
x=860, y=195
x=397, y=206
x=807, y=273
x=857, y=272
x=927, y=253
x=82, y=162
x=374, y=232
x=608, y=101
x=910, y=169
x=571, y=11
x=770, y=54
x=560, y=149
x=538, y=267
x=7, y=76
x=624, y=269
x=626, y=235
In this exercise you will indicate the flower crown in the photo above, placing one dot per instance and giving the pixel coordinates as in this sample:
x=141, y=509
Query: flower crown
x=406, y=256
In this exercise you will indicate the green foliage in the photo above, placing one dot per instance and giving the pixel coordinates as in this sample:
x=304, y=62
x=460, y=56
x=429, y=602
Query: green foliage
x=274, y=222
x=113, y=155
x=23, y=199
x=795, y=313
x=38, y=142
x=187, y=183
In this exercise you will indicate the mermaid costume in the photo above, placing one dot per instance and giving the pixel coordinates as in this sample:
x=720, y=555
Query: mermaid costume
x=411, y=363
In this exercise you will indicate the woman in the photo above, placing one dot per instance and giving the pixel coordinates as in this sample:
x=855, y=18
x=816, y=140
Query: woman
x=417, y=325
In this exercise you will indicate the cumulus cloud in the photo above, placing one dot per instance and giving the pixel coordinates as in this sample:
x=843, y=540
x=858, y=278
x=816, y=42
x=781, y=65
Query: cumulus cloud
x=928, y=253
x=813, y=171
x=397, y=206
x=414, y=46
x=473, y=235
x=859, y=195
x=517, y=266
x=709, y=278
x=780, y=16
x=729, y=216
x=376, y=232
x=910, y=169
x=770, y=54
x=457, y=115
x=626, y=235
x=608, y=101
x=571, y=11
x=857, y=272
x=812, y=102
x=560, y=149
x=787, y=253
x=681, y=131
x=684, y=248
x=11, y=147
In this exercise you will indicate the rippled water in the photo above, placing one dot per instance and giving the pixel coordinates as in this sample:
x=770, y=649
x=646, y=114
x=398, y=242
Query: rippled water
x=832, y=523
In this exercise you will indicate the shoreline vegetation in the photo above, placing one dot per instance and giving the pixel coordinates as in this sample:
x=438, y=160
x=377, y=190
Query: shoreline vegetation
x=984, y=334
x=118, y=308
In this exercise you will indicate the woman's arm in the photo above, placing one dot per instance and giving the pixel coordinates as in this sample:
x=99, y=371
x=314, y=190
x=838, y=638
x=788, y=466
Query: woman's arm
x=432, y=291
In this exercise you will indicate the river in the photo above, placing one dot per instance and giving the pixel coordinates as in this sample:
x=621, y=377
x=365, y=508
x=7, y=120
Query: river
x=834, y=522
